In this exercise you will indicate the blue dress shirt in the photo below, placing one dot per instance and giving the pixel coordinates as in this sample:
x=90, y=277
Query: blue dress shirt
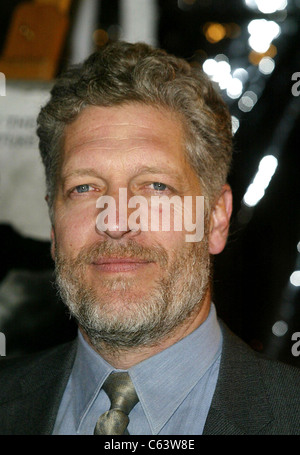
x=175, y=387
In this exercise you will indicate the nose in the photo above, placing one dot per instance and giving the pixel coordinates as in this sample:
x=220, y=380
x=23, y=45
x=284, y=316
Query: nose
x=112, y=221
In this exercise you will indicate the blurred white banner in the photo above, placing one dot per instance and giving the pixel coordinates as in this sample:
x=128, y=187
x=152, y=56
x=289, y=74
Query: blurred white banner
x=22, y=183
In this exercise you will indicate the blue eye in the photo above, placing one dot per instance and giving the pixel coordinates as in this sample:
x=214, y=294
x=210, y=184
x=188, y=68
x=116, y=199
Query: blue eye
x=159, y=186
x=82, y=188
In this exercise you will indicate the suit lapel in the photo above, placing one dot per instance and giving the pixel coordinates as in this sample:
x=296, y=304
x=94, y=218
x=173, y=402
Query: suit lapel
x=240, y=404
x=34, y=406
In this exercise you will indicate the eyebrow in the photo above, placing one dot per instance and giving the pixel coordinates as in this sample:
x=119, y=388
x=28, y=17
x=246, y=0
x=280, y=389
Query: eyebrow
x=79, y=172
x=140, y=170
x=155, y=170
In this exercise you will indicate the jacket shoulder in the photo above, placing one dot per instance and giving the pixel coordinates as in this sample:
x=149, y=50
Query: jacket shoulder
x=259, y=394
x=282, y=383
x=33, y=370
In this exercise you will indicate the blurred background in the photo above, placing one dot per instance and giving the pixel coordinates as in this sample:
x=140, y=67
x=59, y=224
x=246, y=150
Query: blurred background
x=251, y=51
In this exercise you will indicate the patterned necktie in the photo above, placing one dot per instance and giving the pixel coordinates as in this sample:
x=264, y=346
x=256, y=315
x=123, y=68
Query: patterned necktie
x=123, y=398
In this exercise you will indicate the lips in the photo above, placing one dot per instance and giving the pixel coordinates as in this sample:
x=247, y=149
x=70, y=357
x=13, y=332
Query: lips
x=120, y=264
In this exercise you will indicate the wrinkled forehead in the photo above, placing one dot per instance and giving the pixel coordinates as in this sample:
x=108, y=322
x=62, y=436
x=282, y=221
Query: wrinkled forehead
x=146, y=118
x=139, y=131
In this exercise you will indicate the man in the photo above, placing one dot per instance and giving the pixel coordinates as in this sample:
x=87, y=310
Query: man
x=132, y=124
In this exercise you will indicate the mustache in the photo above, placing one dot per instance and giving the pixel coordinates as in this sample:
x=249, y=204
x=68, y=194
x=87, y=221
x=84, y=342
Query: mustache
x=130, y=249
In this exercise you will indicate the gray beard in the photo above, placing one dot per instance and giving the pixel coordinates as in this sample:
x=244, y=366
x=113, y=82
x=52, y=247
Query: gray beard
x=149, y=319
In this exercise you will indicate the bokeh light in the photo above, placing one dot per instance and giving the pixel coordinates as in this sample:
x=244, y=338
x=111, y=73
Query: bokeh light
x=295, y=278
x=262, y=33
x=256, y=189
x=280, y=328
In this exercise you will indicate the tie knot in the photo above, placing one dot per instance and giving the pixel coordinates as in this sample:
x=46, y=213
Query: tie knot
x=121, y=392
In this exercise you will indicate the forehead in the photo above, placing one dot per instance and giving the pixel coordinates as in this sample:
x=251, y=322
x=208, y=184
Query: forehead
x=129, y=130
x=137, y=115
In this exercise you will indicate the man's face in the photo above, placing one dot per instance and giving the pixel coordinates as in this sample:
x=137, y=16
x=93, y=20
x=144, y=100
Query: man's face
x=130, y=287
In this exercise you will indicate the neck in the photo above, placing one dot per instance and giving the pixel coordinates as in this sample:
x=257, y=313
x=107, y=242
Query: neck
x=125, y=359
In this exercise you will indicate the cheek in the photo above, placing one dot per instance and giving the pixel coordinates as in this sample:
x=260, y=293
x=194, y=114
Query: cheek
x=75, y=228
x=171, y=241
x=169, y=228
x=182, y=223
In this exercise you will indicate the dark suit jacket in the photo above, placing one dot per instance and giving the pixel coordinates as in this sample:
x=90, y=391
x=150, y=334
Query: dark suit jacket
x=253, y=395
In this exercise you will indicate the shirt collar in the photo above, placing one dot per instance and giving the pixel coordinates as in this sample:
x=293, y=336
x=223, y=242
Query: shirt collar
x=164, y=375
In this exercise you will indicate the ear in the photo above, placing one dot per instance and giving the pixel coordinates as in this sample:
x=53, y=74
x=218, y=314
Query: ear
x=219, y=221
x=53, y=243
